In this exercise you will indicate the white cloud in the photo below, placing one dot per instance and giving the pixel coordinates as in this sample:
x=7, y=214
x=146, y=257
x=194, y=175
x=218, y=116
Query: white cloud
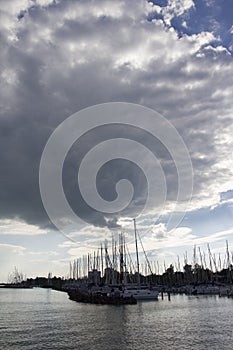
x=17, y=227
x=11, y=249
x=158, y=239
x=46, y=254
x=176, y=8
x=66, y=244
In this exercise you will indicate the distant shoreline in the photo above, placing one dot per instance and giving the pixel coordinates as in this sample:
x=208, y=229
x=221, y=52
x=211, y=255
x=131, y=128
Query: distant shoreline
x=14, y=286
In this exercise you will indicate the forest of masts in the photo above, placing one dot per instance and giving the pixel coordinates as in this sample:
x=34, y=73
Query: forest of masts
x=116, y=265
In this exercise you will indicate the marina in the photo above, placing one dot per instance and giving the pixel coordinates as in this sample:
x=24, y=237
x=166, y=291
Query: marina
x=114, y=279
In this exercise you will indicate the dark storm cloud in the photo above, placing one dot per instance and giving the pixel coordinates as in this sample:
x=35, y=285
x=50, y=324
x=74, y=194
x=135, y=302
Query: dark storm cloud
x=113, y=171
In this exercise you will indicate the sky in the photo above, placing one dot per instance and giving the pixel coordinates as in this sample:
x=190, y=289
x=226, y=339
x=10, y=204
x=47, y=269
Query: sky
x=59, y=57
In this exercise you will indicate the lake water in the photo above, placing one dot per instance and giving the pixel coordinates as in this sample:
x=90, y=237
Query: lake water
x=43, y=319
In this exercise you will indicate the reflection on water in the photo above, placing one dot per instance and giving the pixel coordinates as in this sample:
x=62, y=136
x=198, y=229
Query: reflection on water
x=45, y=320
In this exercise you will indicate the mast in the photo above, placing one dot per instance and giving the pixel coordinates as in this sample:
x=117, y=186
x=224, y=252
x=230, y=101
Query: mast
x=94, y=264
x=70, y=270
x=202, y=266
x=77, y=267
x=121, y=258
x=147, y=260
x=219, y=262
x=228, y=263
x=136, y=245
x=178, y=260
x=102, y=262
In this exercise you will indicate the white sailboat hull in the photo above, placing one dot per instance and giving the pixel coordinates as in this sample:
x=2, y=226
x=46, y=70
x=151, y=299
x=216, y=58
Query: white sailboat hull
x=141, y=294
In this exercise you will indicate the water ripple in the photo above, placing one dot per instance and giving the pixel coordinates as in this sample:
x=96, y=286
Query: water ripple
x=41, y=319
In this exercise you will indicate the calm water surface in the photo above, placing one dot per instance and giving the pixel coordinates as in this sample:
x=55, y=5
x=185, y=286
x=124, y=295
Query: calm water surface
x=45, y=320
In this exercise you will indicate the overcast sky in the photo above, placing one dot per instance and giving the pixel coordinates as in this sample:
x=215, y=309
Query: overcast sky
x=59, y=57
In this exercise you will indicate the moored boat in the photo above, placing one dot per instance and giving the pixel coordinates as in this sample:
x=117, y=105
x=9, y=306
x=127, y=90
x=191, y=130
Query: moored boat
x=140, y=293
x=100, y=298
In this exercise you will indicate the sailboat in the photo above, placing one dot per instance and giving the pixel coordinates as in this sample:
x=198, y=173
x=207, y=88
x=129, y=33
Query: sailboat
x=139, y=291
